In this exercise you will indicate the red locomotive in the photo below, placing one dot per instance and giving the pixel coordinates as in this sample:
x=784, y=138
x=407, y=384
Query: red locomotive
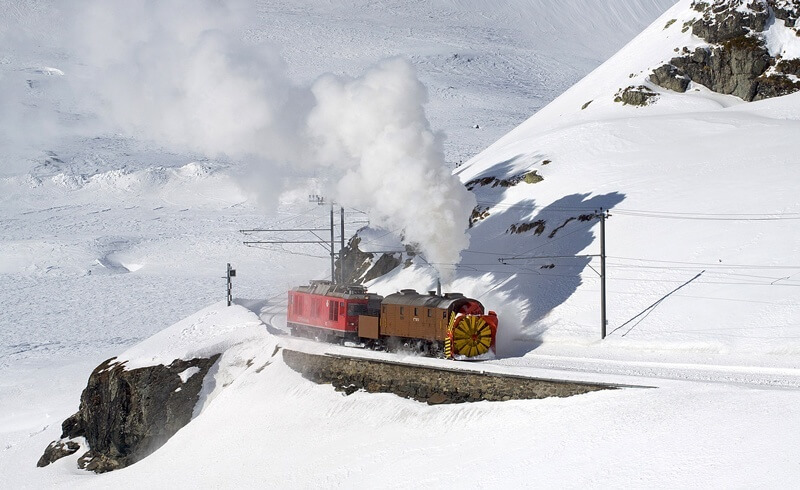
x=449, y=325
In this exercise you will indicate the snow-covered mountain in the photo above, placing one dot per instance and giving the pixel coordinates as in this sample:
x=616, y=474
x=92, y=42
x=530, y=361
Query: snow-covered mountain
x=700, y=187
x=109, y=237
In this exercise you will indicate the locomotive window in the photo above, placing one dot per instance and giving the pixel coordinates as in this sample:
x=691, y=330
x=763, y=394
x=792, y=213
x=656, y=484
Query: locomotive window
x=333, y=310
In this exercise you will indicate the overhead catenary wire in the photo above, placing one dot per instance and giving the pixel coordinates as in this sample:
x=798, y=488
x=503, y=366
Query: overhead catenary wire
x=688, y=215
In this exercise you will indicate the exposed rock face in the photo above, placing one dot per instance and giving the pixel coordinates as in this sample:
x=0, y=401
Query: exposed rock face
x=125, y=415
x=354, y=261
x=733, y=68
x=57, y=450
x=358, y=265
x=737, y=61
x=722, y=21
x=636, y=96
x=384, y=265
x=670, y=78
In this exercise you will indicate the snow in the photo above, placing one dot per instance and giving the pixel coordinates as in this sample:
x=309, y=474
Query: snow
x=109, y=237
x=201, y=335
x=667, y=434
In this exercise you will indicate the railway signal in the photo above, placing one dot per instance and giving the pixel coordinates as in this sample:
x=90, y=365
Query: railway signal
x=231, y=273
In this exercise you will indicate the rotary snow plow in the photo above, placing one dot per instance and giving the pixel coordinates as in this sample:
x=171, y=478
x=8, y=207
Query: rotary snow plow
x=470, y=335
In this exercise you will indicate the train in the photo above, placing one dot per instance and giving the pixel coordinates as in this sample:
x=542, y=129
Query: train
x=448, y=325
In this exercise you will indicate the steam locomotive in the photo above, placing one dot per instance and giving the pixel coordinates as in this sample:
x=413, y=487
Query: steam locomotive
x=450, y=325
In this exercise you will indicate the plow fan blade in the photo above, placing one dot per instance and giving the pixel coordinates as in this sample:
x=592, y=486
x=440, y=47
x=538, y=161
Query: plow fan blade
x=472, y=336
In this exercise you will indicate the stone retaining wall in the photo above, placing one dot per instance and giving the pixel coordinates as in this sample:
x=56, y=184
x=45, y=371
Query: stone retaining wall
x=431, y=385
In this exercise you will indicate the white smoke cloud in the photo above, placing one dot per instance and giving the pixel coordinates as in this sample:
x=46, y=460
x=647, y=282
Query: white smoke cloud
x=173, y=72
x=374, y=130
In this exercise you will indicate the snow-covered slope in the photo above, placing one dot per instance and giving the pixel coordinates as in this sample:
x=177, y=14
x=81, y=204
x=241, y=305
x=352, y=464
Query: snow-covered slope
x=701, y=192
x=264, y=425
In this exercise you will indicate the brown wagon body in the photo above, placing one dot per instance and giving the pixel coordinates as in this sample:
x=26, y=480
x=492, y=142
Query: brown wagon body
x=408, y=314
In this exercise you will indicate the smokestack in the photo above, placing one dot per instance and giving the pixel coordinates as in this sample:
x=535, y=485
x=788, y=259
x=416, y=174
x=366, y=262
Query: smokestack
x=438, y=287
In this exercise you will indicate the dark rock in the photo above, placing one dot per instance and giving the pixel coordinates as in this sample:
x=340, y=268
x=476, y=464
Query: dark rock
x=385, y=264
x=739, y=63
x=358, y=265
x=636, y=96
x=723, y=21
x=788, y=12
x=527, y=177
x=480, y=213
x=775, y=86
x=729, y=69
x=127, y=414
x=668, y=77
x=355, y=262
x=789, y=67
x=533, y=177
x=537, y=226
x=57, y=450
x=72, y=427
x=437, y=399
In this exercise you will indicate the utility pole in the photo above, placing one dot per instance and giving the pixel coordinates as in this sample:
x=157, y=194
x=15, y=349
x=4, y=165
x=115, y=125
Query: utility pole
x=342, y=275
x=602, y=215
x=319, y=238
x=603, y=320
x=333, y=252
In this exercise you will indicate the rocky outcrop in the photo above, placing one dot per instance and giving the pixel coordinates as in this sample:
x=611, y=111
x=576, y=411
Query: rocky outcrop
x=359, y=266
x=353, y=261
x=384, y=265
x=57, y=450
x=670, y=78
x=733, y=68
x=531, y=177
x=125, y=415
x=636, y=96
x=736, y=62
x=723, y=20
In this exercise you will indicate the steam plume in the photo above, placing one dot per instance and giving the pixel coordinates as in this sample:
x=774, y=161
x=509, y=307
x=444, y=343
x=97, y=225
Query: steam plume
x=173, y=73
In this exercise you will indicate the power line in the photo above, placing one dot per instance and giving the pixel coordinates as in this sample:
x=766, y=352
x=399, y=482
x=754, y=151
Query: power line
x=687, y=215
x=704, y=218
x=708, y=264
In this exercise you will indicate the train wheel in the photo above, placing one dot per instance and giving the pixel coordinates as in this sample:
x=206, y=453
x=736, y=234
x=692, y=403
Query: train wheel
x=472, y=336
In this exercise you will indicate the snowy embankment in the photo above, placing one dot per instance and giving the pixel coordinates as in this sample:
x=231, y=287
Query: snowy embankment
x=266, y=425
